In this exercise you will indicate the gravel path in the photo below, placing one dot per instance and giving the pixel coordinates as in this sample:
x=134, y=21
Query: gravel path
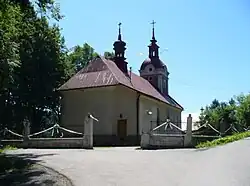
x=227, y=165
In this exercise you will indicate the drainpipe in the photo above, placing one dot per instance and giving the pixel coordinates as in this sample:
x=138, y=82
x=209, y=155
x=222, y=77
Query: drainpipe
x=138, y=115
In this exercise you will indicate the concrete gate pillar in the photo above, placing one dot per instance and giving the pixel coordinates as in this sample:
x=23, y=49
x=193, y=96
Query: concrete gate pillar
x=145, y=136
x=88, y=131
x=188, y=136
x=26, y=131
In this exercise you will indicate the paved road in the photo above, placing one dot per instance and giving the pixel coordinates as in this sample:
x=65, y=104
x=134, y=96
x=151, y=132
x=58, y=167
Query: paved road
x=222, y=166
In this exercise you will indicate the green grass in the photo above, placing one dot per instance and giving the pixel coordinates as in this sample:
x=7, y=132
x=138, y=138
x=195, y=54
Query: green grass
x=224, y=140
x=8, y=164
x=8, y=147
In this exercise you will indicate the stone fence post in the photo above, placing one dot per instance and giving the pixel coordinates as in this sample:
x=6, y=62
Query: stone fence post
x=145, y=140
x=222, y=127
x=26, y=131
x=188, y=136
x=88, y=131
x=146, y=129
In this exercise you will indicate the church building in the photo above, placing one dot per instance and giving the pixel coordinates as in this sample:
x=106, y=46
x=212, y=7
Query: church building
x=126, y=104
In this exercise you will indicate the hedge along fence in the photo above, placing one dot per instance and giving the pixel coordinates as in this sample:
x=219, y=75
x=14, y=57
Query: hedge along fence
x=201, y=139
x=224, y=140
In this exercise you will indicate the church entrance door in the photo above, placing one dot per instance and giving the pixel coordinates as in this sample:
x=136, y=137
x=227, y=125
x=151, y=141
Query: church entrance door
x=122, y=129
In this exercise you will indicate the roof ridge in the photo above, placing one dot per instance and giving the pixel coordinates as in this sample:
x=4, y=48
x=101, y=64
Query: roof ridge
x=127, y=78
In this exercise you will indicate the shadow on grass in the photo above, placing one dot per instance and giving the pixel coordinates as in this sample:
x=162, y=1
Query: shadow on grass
x=22, y=170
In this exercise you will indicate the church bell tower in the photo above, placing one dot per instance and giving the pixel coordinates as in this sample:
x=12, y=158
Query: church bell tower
x=119, y=48
x=153, y=69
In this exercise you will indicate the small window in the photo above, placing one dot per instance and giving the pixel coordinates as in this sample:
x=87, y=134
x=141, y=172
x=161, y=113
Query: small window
x=150, y=69
x=150, y=78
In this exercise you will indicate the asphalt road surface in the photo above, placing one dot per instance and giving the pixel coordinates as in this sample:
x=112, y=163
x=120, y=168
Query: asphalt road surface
x=227, y=165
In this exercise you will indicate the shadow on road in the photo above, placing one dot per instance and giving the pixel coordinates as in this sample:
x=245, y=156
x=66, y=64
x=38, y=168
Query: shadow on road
x=202, y=149
x=22, y=170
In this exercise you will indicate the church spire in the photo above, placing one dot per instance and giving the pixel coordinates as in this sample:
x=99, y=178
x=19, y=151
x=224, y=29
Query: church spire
x=119, y=35
x=119, y=47
x=153, y=31
x=153, y=47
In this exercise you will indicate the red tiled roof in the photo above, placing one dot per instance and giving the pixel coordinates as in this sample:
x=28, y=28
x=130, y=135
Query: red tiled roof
x=103, y=72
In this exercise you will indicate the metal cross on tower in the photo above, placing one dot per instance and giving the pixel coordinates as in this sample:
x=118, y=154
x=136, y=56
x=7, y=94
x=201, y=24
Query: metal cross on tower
x=153, y=23
x=153, y=34
x=119, y=35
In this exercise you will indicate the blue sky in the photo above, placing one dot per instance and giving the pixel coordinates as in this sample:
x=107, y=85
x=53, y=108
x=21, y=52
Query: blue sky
x=208, y=41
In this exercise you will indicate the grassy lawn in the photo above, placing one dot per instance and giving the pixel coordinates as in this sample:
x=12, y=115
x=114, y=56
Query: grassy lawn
x=224, y=140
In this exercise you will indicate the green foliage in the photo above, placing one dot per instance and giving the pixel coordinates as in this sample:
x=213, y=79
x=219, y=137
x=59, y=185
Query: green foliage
x=33, y=64
x=81, y=55
x=10, y=19
x=243, y=110
x=109, y=55
x=224, y=140
x=48, y=8
x=236, y=111
x=8, y=147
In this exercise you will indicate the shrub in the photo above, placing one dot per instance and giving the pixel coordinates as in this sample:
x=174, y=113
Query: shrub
x=224, y=140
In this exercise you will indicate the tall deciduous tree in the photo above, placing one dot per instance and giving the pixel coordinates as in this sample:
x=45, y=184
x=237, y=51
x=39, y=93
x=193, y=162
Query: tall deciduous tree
x=10, y=26
x=33, y=64
x=81, y=55
x=109, y=55
x=236, y=112
x=243, y=110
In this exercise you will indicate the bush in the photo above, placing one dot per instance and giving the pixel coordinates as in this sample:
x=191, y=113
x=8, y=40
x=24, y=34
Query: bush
x=8, y=147
x=224, y=140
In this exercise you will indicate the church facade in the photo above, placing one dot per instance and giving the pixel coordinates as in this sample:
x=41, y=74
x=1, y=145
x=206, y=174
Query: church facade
x=126, y=104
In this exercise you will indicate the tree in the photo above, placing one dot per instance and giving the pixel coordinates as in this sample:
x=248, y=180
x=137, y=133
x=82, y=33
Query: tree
x=43, y=69
x=34, y=62
x=243, y=110
x=10, y=26
x=81, y=55
x=34, y=59
x=236, y=112
x=48, y=8
x=109, y=55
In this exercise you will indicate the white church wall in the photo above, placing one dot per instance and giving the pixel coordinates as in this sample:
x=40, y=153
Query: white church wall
x=125, y=108
x=97, y=101
x=109, y=104
x=175, y=116
x=149, y=104
x=147, y=113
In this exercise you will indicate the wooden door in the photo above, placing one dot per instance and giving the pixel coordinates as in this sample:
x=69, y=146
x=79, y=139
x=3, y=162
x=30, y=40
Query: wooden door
x=122, y=128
